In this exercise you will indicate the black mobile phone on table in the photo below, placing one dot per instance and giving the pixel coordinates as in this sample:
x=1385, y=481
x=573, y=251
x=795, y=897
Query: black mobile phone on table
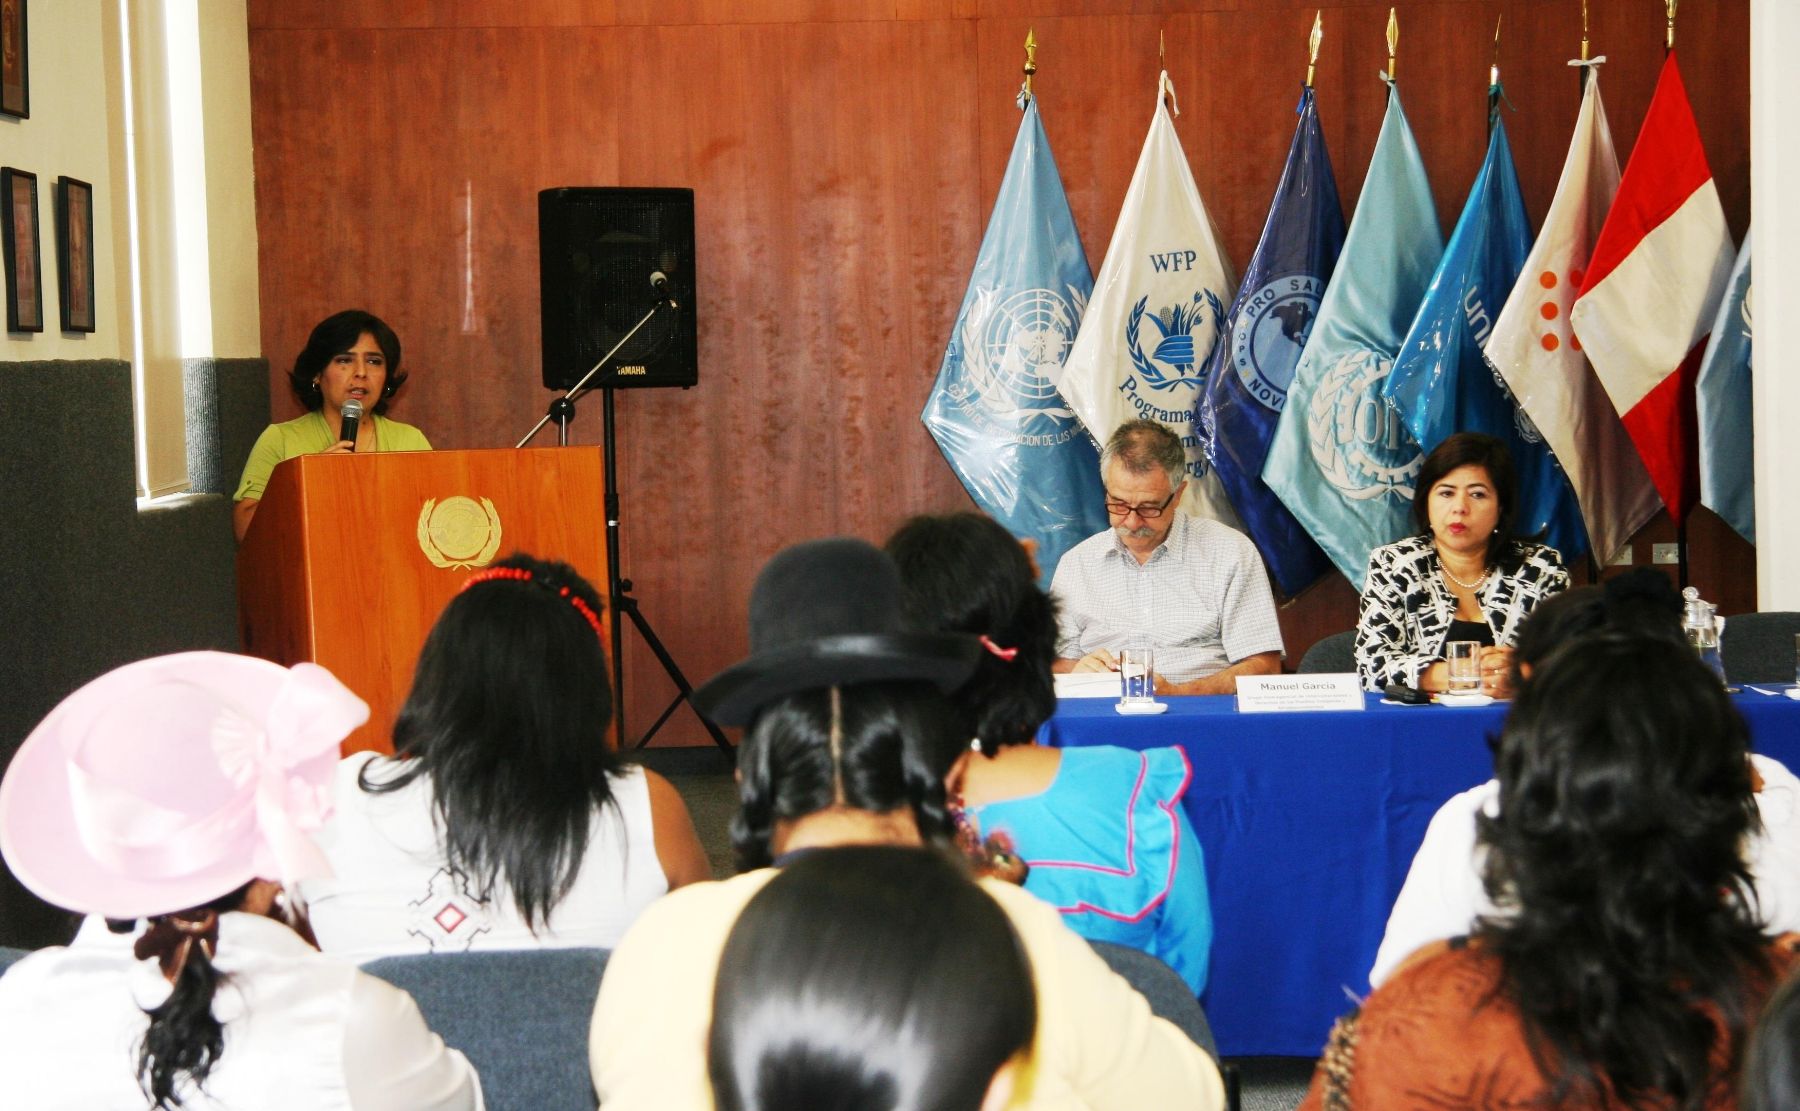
x=1405, y=695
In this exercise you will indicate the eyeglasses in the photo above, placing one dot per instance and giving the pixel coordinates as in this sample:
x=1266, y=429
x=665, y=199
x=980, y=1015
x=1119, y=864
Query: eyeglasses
x=1118, y=508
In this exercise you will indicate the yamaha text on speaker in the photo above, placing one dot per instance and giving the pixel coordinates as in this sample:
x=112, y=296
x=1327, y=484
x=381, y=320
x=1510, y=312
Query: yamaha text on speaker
x=598, y=252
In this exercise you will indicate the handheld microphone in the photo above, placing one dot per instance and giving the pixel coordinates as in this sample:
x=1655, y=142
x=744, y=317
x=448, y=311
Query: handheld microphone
x=659, y=281
x=348, y=419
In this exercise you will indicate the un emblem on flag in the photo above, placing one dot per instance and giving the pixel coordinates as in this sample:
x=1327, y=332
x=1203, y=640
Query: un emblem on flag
x=1358, y=439
x=1269, y=333
x=1014, y=350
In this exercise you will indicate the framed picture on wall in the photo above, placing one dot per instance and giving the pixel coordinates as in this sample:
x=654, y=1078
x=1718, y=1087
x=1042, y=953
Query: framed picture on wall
x=19, y=241
x=15, y=60
x=75, y=253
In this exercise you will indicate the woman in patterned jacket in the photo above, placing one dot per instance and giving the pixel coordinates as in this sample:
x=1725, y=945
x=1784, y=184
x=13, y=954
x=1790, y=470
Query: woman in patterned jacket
x=1465, y=577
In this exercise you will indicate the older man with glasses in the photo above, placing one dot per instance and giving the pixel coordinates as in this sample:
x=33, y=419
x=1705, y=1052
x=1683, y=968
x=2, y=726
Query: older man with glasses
x=1191, y=589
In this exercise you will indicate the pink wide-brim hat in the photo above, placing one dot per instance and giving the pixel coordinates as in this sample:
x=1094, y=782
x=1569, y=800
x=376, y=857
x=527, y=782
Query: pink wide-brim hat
x=170, y=782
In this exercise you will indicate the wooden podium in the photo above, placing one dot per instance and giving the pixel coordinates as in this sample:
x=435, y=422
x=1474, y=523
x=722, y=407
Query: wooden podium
x=350, y=558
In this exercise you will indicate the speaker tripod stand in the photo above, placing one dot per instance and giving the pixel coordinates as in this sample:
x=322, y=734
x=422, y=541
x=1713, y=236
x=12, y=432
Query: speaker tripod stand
x=618, y=588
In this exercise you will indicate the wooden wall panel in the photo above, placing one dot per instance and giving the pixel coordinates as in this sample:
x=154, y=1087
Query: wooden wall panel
x=845, y=155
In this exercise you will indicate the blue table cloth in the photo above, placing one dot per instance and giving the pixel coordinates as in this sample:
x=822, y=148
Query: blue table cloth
x=1309, y=822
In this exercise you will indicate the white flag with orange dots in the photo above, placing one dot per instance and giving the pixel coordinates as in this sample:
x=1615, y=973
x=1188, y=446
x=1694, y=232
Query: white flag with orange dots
x=1534, y=349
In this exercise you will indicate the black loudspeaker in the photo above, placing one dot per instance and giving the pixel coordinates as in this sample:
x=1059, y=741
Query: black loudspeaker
x=597, y=250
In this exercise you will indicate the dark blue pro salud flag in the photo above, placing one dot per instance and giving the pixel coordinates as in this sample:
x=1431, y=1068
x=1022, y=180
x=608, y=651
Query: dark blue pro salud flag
x=995, y=411
x=1265, y=331
x=1442, y=383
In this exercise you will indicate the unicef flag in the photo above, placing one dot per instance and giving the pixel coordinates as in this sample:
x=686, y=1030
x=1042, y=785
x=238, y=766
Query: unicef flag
x=1265, y=331
x=1159, y=303
x=1441, y=383
x=1722, y=396
x=994, y=411
x=1342, y=459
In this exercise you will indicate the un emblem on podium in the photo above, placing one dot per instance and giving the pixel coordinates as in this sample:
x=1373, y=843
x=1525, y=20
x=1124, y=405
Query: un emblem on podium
x=459, y=532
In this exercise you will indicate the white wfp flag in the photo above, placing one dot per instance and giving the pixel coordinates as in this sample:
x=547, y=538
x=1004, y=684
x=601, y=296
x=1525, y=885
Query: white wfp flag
x=1158, y=303
x=1533, y=348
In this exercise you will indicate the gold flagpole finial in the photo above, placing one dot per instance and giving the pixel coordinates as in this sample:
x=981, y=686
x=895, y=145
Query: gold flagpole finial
x=1584, y=31
x=1393, y=40
x=1030, y=67
x=1494, y=69
x=1669, y=38
x=1162, y=54
x=1312, y=45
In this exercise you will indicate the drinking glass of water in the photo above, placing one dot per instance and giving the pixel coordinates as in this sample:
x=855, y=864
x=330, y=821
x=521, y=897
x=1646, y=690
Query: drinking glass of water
x=1464, y=658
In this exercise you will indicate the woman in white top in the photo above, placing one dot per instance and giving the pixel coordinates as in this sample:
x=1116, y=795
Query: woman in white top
x=504, y=820
x=1443, y=895
x=165, y=800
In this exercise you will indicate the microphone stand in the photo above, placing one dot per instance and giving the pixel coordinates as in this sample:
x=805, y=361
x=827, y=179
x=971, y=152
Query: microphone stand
x=618, y=589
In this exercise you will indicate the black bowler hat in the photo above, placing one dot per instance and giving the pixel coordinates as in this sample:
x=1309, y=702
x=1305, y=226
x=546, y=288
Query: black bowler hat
x=828, y=613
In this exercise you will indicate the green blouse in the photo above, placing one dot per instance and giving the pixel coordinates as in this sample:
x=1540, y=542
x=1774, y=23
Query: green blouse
x=309, y=435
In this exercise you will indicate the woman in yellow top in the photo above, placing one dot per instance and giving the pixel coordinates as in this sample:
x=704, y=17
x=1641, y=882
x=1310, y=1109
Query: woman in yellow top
x=351, y=355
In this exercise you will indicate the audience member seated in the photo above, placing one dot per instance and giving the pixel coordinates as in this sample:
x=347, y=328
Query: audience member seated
x=504, y=819
x=350, y=356
x=1443, y=895
x=846, y=718
x=871, y=977
x=1191, y=589
x=1772, y=1068
x=1100, y=830
x=172, y=801
x=1628, y=964
x=1464, y=577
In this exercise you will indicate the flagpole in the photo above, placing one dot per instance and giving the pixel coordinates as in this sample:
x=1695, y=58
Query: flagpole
x=1393, y=44
x=1030, y=67
x=1681, y=529
x=1494, y=79
x=1582, y=72
x=1312, y=45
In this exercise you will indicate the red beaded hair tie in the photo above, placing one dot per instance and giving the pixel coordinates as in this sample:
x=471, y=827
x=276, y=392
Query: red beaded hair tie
x=520, y=574
x=1006, y=654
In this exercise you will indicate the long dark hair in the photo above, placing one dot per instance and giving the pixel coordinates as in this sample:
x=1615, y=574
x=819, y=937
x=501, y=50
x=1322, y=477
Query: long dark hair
x=868, y=746
x=1462, y=449
x=507, y=719
x=183, y=1041
x=332, y=337
x=872, y=977
x=1625, y=798
x=964, y=573
x=1640, y=602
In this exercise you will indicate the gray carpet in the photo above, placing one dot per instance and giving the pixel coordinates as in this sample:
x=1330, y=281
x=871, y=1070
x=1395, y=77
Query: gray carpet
x=1268, y=1083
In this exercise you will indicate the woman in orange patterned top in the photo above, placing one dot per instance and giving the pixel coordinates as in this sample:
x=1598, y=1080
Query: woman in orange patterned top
x=1632, y=964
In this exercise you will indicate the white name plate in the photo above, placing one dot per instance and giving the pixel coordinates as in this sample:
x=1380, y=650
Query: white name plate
x=1266, y=693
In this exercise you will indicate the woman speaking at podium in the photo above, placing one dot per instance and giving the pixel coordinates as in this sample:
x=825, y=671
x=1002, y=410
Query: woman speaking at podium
x=351, y=356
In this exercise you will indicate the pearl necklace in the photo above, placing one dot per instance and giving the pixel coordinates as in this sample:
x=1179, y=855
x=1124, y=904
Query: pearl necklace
x=1476, y=585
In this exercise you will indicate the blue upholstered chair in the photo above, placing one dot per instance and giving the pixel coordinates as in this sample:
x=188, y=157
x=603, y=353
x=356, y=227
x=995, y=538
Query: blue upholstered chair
x=1759, y=647
x=1333, y=655
x=520, y=1016
x=1165, y=989
x=1169, y=998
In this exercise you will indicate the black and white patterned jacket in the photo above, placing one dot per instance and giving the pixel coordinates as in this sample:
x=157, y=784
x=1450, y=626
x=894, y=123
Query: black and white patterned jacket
x=1407, y=610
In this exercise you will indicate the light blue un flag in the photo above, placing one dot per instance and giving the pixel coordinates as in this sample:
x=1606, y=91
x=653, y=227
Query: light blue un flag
x=1441, y=382
x=995, y=411
x=1342, y=459
x=1722, y=394
x=1248, y=376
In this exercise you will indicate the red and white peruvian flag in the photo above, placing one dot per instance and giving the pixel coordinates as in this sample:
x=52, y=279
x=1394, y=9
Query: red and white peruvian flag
x=1652, y=288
